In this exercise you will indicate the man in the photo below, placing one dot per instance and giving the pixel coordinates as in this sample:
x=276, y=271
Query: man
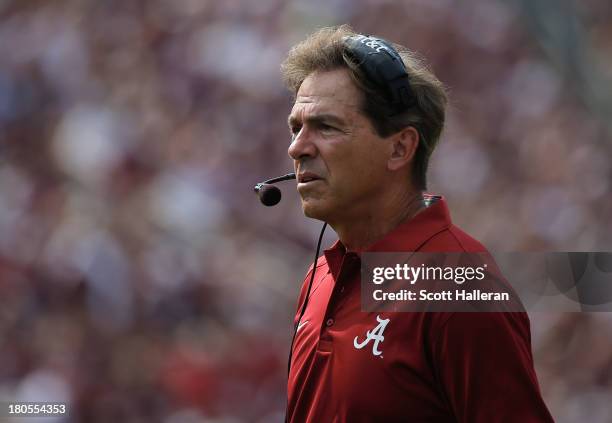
x=361, y=145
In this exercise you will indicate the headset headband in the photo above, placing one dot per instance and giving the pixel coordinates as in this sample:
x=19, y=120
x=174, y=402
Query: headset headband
x=382, y=65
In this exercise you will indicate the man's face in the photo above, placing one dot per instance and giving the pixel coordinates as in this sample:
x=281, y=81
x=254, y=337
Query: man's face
x=339, y=159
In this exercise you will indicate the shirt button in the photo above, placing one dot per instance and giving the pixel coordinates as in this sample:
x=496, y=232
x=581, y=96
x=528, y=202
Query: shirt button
x=329, y=322
x=341, y=289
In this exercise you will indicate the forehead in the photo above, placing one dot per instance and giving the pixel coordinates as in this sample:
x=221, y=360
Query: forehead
x=331, y=92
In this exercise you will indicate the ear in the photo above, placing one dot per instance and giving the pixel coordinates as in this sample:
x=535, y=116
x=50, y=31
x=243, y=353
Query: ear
x=404, y=145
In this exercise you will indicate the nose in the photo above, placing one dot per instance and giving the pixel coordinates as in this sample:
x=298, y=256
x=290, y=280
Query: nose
x=302, y=145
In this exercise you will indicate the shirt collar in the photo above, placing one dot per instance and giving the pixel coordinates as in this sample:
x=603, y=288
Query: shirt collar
x=409, y=235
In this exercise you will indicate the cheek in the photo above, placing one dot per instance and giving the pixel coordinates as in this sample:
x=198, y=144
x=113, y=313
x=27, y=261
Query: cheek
x=357, y=159
x=356, y=175
x=368, y=162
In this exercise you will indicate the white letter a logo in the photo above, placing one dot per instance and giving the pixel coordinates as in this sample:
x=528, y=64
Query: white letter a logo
x=375, y=334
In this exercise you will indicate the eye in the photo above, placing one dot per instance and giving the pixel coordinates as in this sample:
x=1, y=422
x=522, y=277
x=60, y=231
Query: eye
x=294, y=131
x=326, y=127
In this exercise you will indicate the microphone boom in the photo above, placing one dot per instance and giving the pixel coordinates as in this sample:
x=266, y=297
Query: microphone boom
x=269, y=195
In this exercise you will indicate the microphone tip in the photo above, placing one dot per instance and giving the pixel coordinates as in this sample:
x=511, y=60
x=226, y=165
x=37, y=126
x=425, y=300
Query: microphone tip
x=269, y=195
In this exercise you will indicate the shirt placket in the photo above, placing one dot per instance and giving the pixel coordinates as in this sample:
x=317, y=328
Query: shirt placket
x=349, y=271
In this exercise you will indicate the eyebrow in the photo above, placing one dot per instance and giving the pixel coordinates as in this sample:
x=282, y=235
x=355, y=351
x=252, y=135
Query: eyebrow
x=318, y=119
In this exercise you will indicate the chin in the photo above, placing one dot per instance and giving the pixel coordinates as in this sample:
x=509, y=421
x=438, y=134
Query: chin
x=314, y=209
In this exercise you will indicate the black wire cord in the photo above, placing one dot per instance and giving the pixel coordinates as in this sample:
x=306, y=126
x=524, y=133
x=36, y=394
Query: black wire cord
x=297, y=324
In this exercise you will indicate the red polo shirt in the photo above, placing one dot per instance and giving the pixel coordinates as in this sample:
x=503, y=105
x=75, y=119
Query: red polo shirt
x=420, y=367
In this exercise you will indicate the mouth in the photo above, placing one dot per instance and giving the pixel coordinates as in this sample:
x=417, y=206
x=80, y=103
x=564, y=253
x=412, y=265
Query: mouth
x=308, y=177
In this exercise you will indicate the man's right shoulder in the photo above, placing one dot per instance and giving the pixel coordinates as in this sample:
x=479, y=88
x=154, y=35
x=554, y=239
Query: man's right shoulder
x=321, y=262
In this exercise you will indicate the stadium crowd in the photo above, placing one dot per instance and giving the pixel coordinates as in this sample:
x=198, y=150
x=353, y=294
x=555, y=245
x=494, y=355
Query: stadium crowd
x=140, y=278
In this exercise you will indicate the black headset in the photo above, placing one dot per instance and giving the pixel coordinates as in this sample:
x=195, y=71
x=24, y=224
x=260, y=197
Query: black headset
x=383, y=66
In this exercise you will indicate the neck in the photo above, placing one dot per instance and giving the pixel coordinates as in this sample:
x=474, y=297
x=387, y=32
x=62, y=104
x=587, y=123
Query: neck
x=360, y=232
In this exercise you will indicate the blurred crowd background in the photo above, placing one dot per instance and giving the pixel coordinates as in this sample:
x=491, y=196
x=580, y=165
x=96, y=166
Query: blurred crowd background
x=140, y=278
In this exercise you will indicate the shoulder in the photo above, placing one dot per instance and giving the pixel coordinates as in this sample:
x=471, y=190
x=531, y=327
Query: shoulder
x=452, y=239
x=484, y=326
x=322, y=269
x=321, y=264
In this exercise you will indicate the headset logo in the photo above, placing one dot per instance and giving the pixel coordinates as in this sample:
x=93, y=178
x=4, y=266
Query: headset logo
x=372, y=43
x=375, y=335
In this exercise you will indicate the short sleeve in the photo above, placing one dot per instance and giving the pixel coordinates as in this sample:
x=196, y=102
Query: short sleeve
x=484, y=363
